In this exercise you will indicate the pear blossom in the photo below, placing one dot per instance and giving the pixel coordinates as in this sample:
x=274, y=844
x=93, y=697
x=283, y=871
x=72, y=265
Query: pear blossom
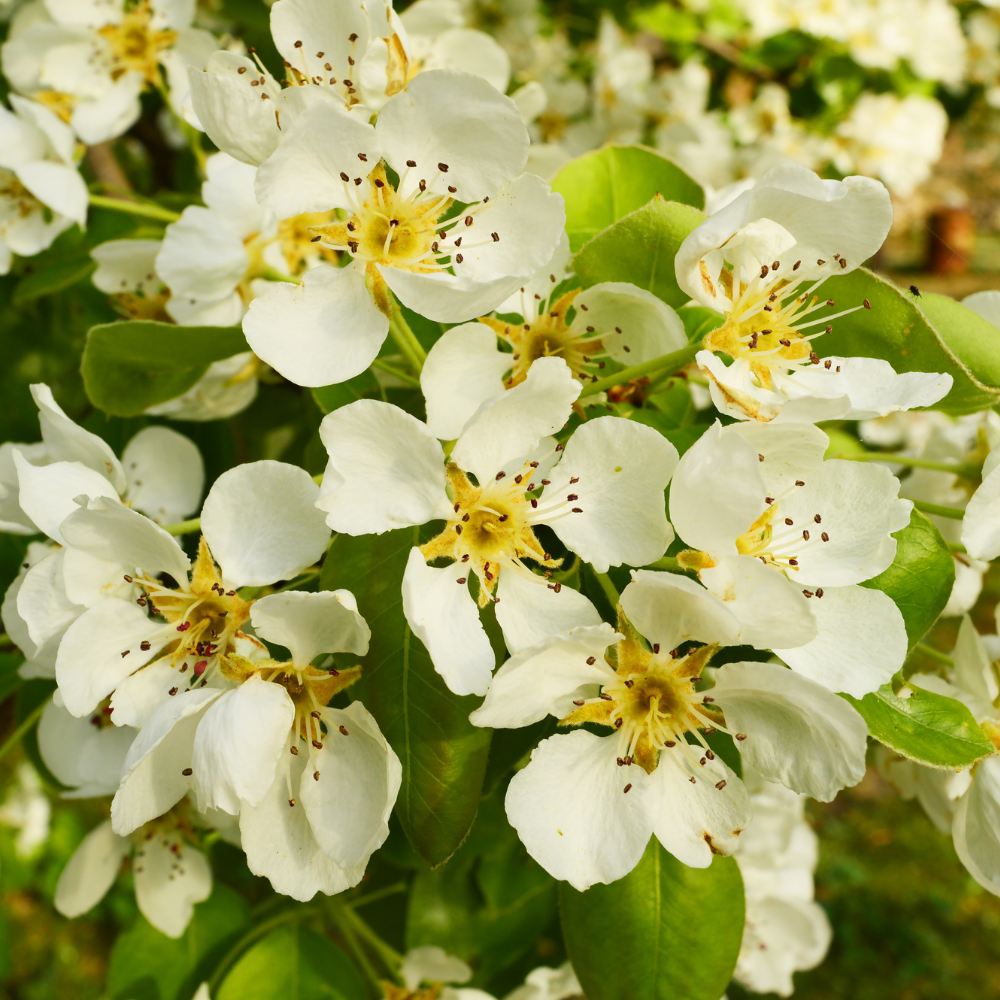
x=601, y=493
x=964, y=803
x=586, y=805
x=783, y=540
x=760, y=260
x=41, y=191
x=26, y=808
x=90, y=60
x=451, y=138
x=429, y=970
x=546, y=983
x=313, y=785
x=465, y=367
x=258, y=523
x=126, y=271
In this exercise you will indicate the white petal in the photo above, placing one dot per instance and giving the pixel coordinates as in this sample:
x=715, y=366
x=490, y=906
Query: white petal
x=42, y=602
x=669, y=609
x=976, y=829
x=570, y=812
x=444, y=617
x=326, y=26
x=860, y=645
x=170, y=877
x=90, y=872
x=261, y=523
x=325, y=330
x=349, y=804
x=446, y=298
x=463, y=369
x=200, y=258
x=981, y=525
x=623, y=469
x=111, y=114
x=90, y=664
x=165, y=474
x=386, y=470
x=513, y=424
x=126, y=266
x=229, y=192
x=546, y=678
x=786, y=452
x=138, y=696
x=530, y=609
x=457, y=119
x=471, y=51
x=626, y=316
x=797, y=732
x=430, y=964
x=58, y=186
x=310, y=624
x=695, y=819
x=238, y=742
x=973, y=669
x=153, y=778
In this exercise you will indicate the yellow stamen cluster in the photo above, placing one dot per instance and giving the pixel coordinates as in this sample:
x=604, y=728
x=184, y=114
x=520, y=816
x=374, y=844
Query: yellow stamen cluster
x=135, y=45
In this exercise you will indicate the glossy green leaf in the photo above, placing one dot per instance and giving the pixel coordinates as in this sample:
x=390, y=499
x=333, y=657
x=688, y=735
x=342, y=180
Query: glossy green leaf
x=925, y=334
x=920, y=578
x=138, y=363
x=640, y=248
x=55, y=276
x=293, y=963
x=442, y=753
x=148, y=965
x=925, y=727
x=664, y=932
x=604, y=186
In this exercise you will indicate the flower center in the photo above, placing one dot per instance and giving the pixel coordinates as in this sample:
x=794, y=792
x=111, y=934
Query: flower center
x=135, y=46
x=24, y=202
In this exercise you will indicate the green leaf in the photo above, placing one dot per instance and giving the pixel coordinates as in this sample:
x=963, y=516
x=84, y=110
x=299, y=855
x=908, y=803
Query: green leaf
x=920, y=577
x=293, y=963
x=926, y=727
x=664, y=932
x=54, y=277
x=604, y=186
x=640, y=248
x=442, y=753
x=699, y=321
x=925, y=334
x=148, y=965
x=138, y=363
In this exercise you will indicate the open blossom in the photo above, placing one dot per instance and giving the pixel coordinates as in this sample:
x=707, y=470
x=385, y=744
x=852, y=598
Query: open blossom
x=964, y=803
x=90, y=60
x=584, y=327
x=586, y=805
x=258, y=522
x=783, y=540
x=313, y=785
x=452, y=140
x=761, y=260
x=41, y=191
x=601, y=493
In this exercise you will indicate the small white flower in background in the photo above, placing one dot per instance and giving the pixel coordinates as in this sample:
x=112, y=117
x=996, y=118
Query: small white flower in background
x=41, y=191
x=90, y=60
x=964, y=803
x=451, y=139
x=26, y=808
x=126, y=270
x=546, y=983
x=259, y=522
x=313, y=785
x=622, y=76
x=786, y=931
x=169, y=873
x=586, y=805
x=613, y=319
x=761, y=260
x=602, y=495
x=784, y=539
x=430, y=971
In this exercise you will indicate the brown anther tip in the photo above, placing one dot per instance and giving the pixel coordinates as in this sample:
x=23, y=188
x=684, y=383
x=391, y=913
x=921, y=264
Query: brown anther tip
x=500, y=475
x=187, y=772
x=317, y=744
x=125, y=653
x=291, y=802
x=294, y=751
x=720, y=785
x=693, y=780
x=411, y=163
x=298, y=45
x=315, y=775
x=741, y=736
x=591, y=660
x=443, y=167
x=452, y=190
x=618, y=723
x=343, y=730
x=128, y=579
x=627, y=787
x=316, y=239
x=867, y=304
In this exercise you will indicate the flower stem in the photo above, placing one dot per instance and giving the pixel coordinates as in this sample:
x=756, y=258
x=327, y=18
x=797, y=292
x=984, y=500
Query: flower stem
x=396, y=373
x=377, y=894
x=934, y=654
x=968, y=470
x=145, y=209
x=19, y=733
x=183, y=527
x=667, y=562
x=955, y=513
x=610, y=591
x=406, y=340
x=667, y=362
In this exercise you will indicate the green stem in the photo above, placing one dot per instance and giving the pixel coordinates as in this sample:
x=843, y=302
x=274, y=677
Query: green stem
x=956, y=547
x=373, y=897
x=934, y=654
x=389, y=956
x=339, y=913
x=6, y=640
x=667, y=362
x=955, y=513
x=965, y=469
x=406, y=339
x=298, y=581
x=396, y=373
x=145, y=209
x=610, y=591
x=667, y=562
x=183, y=527
x=18, y=734
x=273, y=274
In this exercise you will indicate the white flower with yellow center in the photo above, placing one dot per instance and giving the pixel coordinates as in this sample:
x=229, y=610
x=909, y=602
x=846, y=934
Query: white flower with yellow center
x=453, y=232
x=41, y=191
x=90, y=60
x=601, y=493
x=784, y=539
x=258, y=521
x=586, y=805
x=762, y=260
x=613, y=319
x=313, y=785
